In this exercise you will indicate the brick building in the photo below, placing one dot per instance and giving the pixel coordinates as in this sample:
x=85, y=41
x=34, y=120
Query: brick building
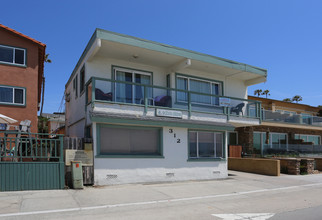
x=21, y=69
x=285, y=127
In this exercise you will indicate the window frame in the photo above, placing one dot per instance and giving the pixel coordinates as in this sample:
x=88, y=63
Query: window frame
x=210, y=81
x=98, y=141
x=13, y=95
x=208, y=158
x=82, y=80
x=13, y=56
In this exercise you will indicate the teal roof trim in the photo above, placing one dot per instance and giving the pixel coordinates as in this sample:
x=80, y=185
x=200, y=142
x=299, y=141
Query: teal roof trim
x=152, y=45
x=88, y=46
x=155, y=46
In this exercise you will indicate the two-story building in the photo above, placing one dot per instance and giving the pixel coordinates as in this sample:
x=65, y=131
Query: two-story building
x=157, y=112
x=21, y=69
x=286, y=128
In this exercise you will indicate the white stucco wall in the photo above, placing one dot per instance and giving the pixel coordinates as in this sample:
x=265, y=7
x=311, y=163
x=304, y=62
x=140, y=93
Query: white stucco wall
x=173, y=167
x=75, y=108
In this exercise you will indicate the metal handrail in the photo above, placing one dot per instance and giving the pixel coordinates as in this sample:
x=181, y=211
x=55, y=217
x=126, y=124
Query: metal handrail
x=189, y=102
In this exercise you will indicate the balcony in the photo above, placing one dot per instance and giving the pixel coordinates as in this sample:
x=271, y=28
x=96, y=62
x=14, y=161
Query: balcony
x=128, y=98
x=277, y=117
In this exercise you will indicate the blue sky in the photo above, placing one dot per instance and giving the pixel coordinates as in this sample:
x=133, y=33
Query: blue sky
x=284, y=37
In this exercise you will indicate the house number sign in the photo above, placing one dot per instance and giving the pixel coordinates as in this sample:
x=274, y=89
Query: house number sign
x=171, y=131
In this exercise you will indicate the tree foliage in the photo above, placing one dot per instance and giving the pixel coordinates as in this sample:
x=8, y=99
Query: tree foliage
x=266, y=93
x=287, y=100
x=258, y=92
x=297, y=98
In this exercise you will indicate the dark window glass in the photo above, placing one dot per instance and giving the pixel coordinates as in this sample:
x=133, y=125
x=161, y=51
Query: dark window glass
x=19, y=56
x=6, y=95
x=129, y=141
x=6, y=54
x=193, y=144
x=82, y=79
x=206, y=144
x=19, y=96
x=232, y=138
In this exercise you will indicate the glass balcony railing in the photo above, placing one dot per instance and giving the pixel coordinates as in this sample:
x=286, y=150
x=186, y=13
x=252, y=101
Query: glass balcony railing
x=147, y=96
x=271, y=116
x=291, y=149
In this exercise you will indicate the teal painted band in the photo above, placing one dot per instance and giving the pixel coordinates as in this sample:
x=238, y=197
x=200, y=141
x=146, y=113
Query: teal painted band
x=129, y=156
x=158, y=123
x=206, y=159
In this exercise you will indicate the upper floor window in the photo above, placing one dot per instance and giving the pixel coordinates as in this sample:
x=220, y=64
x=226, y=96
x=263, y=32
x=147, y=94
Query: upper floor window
x=127, y=92
x=12, y=55
x=75, y=85
x=12, y=95
x=199, y=86
x=82, y=80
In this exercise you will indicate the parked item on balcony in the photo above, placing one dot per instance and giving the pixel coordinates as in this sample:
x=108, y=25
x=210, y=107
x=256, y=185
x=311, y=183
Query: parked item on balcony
x=238, y=109
x=163, y=100
x=100, y=95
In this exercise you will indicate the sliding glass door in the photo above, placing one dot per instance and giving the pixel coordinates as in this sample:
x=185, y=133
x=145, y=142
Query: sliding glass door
x=129, y=93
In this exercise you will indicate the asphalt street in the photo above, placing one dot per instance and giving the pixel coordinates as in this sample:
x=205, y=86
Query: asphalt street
x=241, y=196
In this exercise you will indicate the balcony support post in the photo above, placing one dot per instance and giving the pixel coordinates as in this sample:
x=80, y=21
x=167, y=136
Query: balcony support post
x=145, y=100
x=260, y=112
x=189, y=104
x=93, y=90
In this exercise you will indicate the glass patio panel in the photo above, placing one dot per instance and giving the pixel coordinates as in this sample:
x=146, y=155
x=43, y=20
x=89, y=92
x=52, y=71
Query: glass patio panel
x=193, y=144
x=206, y=144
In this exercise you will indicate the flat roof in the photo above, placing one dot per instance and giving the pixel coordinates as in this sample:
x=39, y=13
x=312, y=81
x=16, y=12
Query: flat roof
x=164, y=48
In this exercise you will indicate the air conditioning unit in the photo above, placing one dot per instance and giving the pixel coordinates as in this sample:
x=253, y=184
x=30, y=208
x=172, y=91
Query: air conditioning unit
x=67, y=97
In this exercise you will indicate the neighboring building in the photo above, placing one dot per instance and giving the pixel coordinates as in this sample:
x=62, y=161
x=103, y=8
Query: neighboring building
x=55, y=122
x=286, y=127
x=157, y=112
x=21, y=70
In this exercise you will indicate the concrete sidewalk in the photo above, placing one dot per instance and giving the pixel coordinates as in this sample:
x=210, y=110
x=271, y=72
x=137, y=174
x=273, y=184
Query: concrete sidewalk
x=34, y=203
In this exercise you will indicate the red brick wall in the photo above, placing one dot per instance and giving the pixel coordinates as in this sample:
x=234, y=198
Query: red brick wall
x=21, y=76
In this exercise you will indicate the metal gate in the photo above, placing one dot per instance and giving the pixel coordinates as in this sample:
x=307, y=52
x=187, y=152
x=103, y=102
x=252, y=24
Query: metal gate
x=31, y=161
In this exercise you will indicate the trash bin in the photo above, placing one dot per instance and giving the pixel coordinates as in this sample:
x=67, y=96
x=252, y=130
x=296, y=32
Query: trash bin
x=77, y=174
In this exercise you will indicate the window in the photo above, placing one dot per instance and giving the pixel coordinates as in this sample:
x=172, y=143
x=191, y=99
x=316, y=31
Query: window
x=199, y=86
x=129, y=93
x=75, y=85
x=12, y=55
x=278, y=140
x=275, y=141
x=315, y=139
x=203, y=144
x=129, y=140
x=232, y=138
x=12, y=95
x=82, y=80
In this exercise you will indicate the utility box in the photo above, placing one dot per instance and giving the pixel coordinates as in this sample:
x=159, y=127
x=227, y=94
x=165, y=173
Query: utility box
x=77, y=174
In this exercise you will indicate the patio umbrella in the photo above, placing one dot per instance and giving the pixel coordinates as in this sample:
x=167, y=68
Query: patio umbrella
x=7, y=120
